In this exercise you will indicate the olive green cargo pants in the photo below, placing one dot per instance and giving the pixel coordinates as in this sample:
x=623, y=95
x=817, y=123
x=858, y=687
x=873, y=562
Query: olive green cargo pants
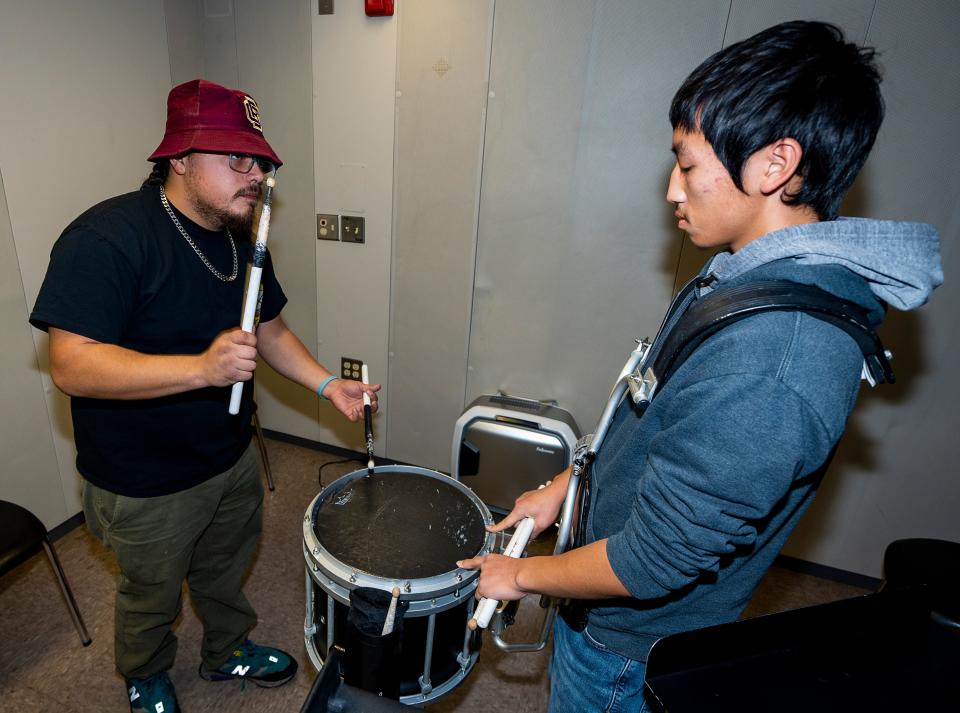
x=207, y=535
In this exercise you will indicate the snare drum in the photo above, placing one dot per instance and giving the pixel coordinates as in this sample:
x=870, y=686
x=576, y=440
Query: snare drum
x=406, y=527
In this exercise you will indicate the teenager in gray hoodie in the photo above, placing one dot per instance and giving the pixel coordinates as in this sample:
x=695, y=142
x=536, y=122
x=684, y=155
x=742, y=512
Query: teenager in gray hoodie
x=693, y=497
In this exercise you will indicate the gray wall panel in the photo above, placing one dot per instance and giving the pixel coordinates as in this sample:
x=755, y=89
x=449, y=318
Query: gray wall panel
x=84, y=87
x=577, y=250
x=354, y=98
x=894, y=475
x=184, y=23
x=30, y=475
x=283, y=88
x=443, y=53
x=220, y=33
x=748, y=17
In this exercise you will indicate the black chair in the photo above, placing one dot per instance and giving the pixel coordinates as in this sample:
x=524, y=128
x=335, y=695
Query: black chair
x=884, y=653
x=922, y=561
x=23, y=535
x=329, y=693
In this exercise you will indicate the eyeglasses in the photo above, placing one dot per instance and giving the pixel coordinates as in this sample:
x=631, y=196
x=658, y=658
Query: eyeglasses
x=243, y=163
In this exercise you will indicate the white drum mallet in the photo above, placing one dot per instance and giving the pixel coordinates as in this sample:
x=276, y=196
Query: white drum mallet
x=516, y=546
x=367, y=418
x=252, y=297
x=391, y=613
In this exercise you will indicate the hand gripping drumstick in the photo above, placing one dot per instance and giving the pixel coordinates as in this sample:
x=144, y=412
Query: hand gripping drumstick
x=515, y=548
x=367, y=418
x=253, y=282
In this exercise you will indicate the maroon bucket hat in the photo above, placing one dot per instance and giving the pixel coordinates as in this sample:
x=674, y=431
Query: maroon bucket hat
x=203, y=116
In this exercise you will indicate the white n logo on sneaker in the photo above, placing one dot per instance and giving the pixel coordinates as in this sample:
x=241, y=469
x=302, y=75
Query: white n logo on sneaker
x=134, y=695
x=240, y=670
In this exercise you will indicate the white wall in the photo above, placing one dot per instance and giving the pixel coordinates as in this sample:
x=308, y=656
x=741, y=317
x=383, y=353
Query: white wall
x=31, y=474
x=84, y=88
x=443, y=75
x=576, y=247
x=354, y=86
x=894, y=474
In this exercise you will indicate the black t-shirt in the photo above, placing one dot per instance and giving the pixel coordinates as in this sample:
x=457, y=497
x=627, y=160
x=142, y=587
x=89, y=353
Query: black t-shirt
x=123, y=274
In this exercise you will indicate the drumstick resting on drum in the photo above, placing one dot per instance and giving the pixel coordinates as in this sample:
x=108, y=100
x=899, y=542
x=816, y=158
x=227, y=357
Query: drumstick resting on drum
x=515, y=548
x=391, y=613
x=367, y=418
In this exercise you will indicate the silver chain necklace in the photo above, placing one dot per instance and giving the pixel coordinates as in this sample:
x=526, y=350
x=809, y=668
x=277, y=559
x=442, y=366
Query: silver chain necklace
x=186, y=236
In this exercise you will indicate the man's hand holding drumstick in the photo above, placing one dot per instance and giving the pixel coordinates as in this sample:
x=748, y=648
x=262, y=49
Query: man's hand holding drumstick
x=499, y=573
x=347, y=396
x=234, y=352
x=583, y=573
x=283, y=350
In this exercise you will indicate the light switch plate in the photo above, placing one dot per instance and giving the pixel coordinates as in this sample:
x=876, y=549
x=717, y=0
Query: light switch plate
x=352, y=229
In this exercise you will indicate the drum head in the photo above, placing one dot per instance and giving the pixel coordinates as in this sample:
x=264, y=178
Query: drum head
x=399, y=525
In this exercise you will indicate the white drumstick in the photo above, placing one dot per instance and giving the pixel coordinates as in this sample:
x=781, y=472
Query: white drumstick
x=367, y=418
x=253, y=283
x=515, y=548
x=391, y=613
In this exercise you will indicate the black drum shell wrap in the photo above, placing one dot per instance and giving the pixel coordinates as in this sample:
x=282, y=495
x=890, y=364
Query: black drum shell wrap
x=372, y=659
x=406, y=527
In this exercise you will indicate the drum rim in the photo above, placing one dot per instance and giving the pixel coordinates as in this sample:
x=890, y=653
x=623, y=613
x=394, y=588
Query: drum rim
x=412, y=589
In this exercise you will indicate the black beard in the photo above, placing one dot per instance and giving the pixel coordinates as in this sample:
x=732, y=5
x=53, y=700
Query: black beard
x=240, y=227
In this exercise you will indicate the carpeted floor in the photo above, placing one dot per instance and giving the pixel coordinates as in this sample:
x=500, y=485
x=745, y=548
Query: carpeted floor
x=44, y=668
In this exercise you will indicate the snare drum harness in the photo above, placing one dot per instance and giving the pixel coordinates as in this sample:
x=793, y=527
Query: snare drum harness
x=684, y=331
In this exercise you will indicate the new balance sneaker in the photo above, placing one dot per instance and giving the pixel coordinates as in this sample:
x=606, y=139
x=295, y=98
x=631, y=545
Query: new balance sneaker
x=152, y=695
x=263, y=665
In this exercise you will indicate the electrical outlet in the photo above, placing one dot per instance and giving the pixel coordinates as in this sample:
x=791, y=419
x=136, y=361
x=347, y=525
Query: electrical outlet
x=328, y=226
x=350, y=368
x=351, y=227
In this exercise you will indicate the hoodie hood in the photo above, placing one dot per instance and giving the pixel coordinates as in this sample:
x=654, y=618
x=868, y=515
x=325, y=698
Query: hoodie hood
x=900, y=261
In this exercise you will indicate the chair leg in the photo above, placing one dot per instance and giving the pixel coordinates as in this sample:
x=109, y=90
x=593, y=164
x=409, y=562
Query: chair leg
x=261, y=444
x=68, y=595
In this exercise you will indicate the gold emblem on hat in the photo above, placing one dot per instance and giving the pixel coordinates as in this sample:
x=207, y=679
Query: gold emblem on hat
x=253, y=112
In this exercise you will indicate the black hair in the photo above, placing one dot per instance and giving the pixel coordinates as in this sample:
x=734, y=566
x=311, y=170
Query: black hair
x=798, y=80
x=158, y=176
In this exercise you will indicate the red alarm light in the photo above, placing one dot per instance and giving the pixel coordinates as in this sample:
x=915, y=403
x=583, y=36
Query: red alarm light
x=379, y=8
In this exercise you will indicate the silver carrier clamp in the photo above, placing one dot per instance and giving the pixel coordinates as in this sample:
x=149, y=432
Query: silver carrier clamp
x=585, y=452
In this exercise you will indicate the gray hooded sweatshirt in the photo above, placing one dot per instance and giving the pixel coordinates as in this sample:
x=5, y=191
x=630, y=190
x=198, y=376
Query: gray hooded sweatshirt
x=698, y=494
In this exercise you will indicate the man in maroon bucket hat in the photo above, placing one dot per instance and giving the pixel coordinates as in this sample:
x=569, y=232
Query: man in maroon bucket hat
x=141, y=300
x=203, y=116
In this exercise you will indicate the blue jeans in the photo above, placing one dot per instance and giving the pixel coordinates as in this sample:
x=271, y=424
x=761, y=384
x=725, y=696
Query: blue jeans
x=586, y=677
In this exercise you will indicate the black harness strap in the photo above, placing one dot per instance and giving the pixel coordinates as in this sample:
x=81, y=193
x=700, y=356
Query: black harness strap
x=708, y=316
x=724, y=307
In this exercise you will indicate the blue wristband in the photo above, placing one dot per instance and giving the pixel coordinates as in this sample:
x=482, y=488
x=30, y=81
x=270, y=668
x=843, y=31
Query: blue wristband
x=323, y=385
